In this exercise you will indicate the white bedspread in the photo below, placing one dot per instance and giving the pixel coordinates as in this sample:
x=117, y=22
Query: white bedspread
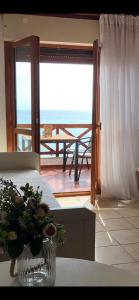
x=21, y=177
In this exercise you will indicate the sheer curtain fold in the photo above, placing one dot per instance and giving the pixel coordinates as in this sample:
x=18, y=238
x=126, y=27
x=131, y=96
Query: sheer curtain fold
x=119, y=96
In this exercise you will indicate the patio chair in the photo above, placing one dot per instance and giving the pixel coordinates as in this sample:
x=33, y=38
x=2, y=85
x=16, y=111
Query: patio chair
x=84, y=154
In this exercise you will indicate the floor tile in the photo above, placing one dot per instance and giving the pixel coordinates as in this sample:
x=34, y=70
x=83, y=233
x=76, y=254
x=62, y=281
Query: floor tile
x=112, y=255
x=99, y=226
x=84, y=200
x=117, y=224
x=104, y=204
x=129, y=212
x=134, y=221
x=107, y=214
x=132, y=267
x=125, y=203
x=136, y=203
x=60, y=181
x=104, y=239
x=114, y=203
x=133, y=250
x=126, y=236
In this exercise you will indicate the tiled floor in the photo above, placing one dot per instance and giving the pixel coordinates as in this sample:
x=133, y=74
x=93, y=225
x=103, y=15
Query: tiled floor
x=60, y=181
x=117, y=231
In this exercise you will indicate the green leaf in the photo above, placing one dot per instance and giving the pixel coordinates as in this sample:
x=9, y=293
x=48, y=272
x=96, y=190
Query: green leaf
x=36, y=245
x=14, y=248
x=25, y=237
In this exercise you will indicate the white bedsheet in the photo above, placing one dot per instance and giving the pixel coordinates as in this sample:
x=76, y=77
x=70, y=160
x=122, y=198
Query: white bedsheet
x=21, y=177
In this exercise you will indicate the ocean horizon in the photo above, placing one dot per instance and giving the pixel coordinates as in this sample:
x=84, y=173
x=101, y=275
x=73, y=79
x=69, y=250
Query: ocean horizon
x=56, y=117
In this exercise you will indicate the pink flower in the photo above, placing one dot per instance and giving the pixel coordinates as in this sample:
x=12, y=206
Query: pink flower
x=49, y=230
x=42, y=211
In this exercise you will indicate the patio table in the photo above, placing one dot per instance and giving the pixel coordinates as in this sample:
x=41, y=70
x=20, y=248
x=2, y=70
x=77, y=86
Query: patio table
x=58, y=138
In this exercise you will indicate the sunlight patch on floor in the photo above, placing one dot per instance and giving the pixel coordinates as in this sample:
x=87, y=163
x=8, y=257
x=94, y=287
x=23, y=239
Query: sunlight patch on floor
x=75, y=201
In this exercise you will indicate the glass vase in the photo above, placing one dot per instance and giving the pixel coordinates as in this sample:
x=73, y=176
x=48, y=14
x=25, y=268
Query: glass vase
x=39, y=270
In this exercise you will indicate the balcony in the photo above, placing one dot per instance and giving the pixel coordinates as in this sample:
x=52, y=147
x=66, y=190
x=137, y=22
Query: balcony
x=52, y=158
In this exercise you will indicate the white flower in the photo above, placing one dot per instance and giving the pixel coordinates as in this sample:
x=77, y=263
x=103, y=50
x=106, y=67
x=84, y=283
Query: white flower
x=3, y=215
x=49, y=230
x=12, y=235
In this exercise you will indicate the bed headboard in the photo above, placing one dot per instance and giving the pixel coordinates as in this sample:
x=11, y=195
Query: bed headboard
x=19, y=160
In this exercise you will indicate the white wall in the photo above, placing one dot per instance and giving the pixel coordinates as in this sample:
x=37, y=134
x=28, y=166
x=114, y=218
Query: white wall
x=17, y=26
x=3, y=140
x=51, y=29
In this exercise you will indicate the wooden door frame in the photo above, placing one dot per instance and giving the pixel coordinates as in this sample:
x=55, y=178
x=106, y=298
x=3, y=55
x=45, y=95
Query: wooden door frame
x=96, y=125
x=10, y=95
x=11, y=88
x=10, y=104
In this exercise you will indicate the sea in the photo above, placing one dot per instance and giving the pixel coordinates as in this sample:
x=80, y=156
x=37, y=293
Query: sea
x=57, y=117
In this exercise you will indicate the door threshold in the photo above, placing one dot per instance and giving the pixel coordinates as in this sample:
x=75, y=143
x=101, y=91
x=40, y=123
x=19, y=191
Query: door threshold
x=72, y=194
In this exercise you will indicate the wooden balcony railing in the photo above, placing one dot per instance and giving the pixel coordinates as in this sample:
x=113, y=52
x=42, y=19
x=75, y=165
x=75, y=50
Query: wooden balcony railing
x=58, y=129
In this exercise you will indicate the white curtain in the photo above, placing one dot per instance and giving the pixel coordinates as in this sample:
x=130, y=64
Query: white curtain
x=3, y=143
x=119, y=96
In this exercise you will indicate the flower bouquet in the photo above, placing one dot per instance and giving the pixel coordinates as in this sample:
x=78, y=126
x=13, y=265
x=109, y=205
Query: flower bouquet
x=25, y=220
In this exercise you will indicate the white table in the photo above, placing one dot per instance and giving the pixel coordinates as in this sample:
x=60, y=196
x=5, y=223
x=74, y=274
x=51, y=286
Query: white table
x=77, y=272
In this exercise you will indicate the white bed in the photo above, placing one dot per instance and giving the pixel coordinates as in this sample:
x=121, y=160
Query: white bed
x=23, y=167
x=21, y=177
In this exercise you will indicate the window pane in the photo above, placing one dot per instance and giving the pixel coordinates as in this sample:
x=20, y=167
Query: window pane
x=66, y=93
